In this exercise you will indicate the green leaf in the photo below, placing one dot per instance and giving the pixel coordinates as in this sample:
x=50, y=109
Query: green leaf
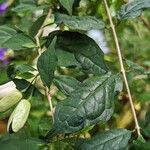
x=43, y=125
x=133, y=9
x=87, y=105
x=65, y=58
x=19, y=41
x=115, y=139
x=47, y=64
x=83, y=23
x=36, y=26
x=24, y=71
x=85, y=50
x=27, y=88
x=67, y=4
x=25, y=6
x=9, y=38
x=138, y=69
x=61, y=145
x=140, y=144
x=66, y=84
x=6, y=33
x=20, y=141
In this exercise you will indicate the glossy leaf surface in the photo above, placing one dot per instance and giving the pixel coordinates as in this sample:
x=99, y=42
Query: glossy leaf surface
x=87, y=105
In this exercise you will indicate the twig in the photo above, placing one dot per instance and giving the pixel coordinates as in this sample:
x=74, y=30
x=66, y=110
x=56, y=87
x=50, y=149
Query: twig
x=40, y=31
x=137, y=127
x=37, y=38
x=50, y=101
x=145, y=22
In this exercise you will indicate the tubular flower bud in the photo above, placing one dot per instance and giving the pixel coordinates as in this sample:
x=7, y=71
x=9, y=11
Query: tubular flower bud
x=10, y=100
x=19, y=116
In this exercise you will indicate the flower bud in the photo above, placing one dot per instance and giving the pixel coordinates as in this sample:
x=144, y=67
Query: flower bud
x=19, y=116
x=7, y=88
x=10, y=100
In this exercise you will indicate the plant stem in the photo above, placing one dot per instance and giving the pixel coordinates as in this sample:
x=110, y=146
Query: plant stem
x=40, y=31
x=37, y=38
x=145, y=22
x=137, y=127
x=50, y=102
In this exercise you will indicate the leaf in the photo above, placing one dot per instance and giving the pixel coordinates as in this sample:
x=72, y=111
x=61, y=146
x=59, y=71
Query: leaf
x=19, y=41
x=36, y=26
x=115, y=139
x=138, y=69
x=133, y=9
x=65, y=58
x=6, y=33
x=24, y=71
x=20, y=141
x=87, y=105
x=66, y=84
x=47, y=64
x=61, y=145
x=27, y=88
x=83, y=23
x=25, y=6
x=85, y=50
x=43, y=125
x=140, y=144
x=67, y=4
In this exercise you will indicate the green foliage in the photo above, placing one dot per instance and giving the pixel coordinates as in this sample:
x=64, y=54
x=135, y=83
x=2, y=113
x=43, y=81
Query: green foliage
x=138, y=69
x=36, y=26
x=83, y=23
x=67, y=4
x=66, y=84
x=48, y=46
x=21, y=140
x=47, y=64
x=133, y=9
x=85, y=50
x=23, y=70
x=87, y=105
x=113, y=139
x=11, y=39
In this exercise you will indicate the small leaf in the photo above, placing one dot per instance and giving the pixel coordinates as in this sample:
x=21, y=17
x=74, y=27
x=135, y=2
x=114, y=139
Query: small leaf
x=66, y=84
x=47, y=64
x=36, y=26
x=27, y=88
x=83, y=23
x=67, y=4
x=138, y=69
x=133, y=9
x=85, y=50
x=43, y=125
x=87, y=105
x=23, y=70
x=115, y=139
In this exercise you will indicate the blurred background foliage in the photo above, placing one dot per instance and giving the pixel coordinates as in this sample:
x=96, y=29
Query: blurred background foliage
x=134, y=38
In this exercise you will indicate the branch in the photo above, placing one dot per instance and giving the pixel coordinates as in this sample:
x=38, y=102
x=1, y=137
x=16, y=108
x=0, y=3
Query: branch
x=37, y=38
x=137, y=127
x=145, y=22
x=47, y=92
x=39, y=34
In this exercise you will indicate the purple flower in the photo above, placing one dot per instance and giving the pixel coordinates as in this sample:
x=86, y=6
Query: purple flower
x=3, y=58
x=3, y=7
x=2, y=53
